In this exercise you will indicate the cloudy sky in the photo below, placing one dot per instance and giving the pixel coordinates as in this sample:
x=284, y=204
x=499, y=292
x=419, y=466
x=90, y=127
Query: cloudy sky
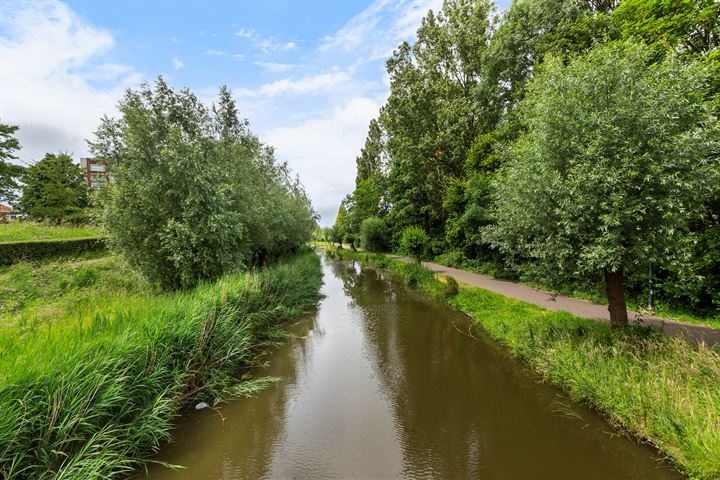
x=309, y=75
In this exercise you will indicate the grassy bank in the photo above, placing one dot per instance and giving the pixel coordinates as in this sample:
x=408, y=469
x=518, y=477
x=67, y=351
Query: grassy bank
x=657, y=388
x=50, y=290
x=589, y=291
x=92, y=393
x=27, y=231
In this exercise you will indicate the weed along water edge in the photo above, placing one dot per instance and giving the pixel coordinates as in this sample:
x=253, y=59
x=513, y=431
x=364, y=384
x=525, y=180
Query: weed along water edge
x=381, y=381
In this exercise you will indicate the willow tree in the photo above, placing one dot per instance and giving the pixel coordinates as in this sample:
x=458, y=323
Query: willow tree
x=618, y=158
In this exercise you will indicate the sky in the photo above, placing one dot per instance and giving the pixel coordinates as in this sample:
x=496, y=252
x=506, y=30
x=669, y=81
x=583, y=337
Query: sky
x=309, y=75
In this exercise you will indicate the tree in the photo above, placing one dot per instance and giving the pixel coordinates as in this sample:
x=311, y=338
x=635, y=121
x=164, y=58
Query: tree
x=414, y=242
x=9, y=173
x=618, y=158
x=529, y=30
x=54, y=190
x=374, y=234
x=685, y=26
x=337, y=235
x=195, y=193
x=433, y=113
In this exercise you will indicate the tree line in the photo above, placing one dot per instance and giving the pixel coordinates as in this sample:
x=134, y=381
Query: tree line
x=572, y=143
x=194, y=193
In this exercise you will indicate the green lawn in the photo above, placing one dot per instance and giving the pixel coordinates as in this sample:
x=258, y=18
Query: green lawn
x=52, y=289
x=28, y=231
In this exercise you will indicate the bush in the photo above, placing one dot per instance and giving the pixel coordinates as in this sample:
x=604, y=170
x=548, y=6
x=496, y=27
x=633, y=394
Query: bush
x=413, y=242
x=450, y=288
x=374, y=234
x=382, y=261
x=415, y=274
x=17, y=251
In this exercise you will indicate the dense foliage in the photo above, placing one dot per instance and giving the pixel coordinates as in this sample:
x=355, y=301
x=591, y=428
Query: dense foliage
x=616, y=162
x=195, y=193
x=413, y=242
x=612, y=106
x=374, y=234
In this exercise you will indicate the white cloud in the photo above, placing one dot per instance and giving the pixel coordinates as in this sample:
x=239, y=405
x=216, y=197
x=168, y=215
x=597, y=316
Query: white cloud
x=311, y=84
x=215, y=53
x=177, y=63
x=245, y=33
x=264, y=44
x=377, y=30
x=51, y=71
x=275, y=67
x=238, y=56
x=322, y=151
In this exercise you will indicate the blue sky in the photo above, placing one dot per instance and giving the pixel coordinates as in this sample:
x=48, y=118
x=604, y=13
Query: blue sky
x=309, y=75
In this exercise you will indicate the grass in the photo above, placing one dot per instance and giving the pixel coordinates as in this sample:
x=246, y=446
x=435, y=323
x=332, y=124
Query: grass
x=27, y=231
x=659, y=389
x=93, y=393
x=47, y=290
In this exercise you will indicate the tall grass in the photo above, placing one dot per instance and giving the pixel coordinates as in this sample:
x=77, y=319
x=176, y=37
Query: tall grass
x=26, y=231
x=93, y=396
x=660, y=389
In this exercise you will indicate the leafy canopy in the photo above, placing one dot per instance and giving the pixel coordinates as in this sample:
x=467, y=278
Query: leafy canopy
x=617, y=160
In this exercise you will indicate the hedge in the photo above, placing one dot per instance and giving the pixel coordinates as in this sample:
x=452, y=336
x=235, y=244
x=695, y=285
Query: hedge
x=13, y=252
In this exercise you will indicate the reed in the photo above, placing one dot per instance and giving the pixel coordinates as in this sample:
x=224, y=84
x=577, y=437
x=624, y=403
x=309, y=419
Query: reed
x=92, y=396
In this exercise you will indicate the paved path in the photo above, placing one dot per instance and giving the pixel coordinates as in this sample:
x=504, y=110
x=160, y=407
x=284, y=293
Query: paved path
x=581, y=308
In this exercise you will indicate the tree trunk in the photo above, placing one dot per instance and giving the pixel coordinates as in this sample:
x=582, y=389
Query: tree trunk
x=615, y=291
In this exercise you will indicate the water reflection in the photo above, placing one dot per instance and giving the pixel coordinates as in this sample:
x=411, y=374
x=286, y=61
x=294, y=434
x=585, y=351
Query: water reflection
x=383, y=382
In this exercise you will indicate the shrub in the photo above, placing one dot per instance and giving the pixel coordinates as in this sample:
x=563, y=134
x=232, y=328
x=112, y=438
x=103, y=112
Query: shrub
x=374, y=234
x=450, y=288
x=17, y=251
x=382, y=261
x=413, y=242
x=415, y=274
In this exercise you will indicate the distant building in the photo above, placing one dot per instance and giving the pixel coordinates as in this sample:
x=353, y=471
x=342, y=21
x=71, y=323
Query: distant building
x=97, y=174
x=7, y=214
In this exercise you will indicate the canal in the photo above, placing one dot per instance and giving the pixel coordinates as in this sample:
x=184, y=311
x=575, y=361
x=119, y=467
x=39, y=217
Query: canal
x=381, y=381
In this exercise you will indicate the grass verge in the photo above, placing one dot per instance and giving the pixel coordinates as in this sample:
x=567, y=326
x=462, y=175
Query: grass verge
x=29, y=231
x=588, y=291
x=659, y=389
x=93, y=395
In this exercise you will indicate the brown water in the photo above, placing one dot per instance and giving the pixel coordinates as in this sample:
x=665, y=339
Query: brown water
x=382, y=382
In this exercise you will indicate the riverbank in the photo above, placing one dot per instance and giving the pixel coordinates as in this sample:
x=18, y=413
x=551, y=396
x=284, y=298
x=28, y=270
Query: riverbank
x=93, y=393
x=708, y=333
x=661, y=390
